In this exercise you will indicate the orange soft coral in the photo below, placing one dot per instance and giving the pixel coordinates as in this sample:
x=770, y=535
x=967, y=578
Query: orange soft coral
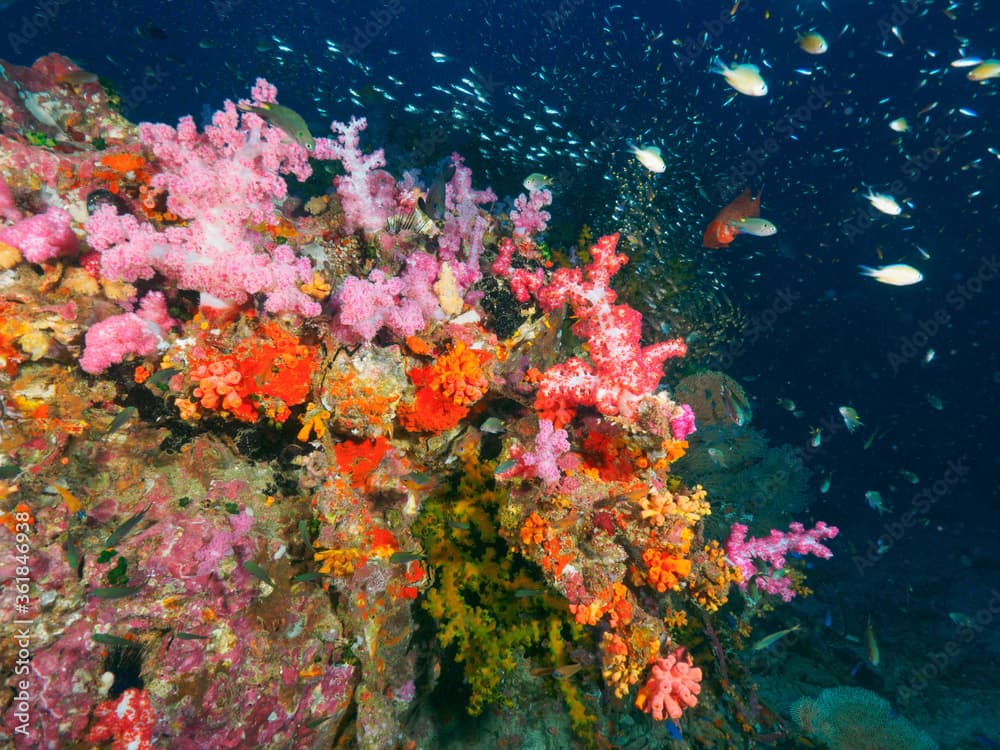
x=430, y=411
x=359, y=459
x=459, y=376
x=264, y=374
x=664, y=569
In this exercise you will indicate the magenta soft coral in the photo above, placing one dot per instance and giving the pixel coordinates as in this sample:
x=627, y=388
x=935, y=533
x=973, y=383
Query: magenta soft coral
x=222, y=183
x=547, y=460
x=772, y=549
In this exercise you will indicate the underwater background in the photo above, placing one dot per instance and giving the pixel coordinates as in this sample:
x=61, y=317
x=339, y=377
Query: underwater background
x=865, y=405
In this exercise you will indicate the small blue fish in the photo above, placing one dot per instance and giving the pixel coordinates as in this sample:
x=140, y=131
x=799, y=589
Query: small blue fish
x=675, y=730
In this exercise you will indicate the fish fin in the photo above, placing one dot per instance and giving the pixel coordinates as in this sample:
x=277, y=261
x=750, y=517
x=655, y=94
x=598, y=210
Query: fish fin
x=754, y=68
x=868, y=271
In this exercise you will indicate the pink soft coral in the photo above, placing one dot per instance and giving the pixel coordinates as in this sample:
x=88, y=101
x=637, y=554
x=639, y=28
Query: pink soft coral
x=112, y=339
x=547, y=460
x=43, y=236
x=772, y=549
x=674, y=685
x=224, y=183
x=403, y=304
x=367, y=193
x=528, y=214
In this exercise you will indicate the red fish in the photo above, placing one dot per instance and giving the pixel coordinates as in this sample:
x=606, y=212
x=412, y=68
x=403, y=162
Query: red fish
x=721, y=231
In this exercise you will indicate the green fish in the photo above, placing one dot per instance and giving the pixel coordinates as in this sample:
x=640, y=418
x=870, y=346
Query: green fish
x=126, y=528
x=536, y=181
x=284, y=119
x=116, y=592
x=769, y=640
x=752, y=225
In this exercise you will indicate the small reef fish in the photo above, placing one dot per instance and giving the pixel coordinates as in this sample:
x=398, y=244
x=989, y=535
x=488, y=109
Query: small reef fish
x=897, y=274
x=935, y=402
x=815, y=437
x=851, y=419
x=770, y=640
x=909, y=476
x=900, y=125
x=744, y=78
x=717, y=457
x=720, y=232
x=884, y=203
x=737, y=408
x=536, y=181
x=285, y=119
x=787, y=404
x=755, y=226
x=871, y=645
x=813, y=43
x=875, y=501
x=961, y=619
x=650, y=157
x=985, y=70
x=825, y=485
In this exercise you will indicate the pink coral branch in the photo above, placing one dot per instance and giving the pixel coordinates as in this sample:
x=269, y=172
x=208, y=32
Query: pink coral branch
x=772, y=549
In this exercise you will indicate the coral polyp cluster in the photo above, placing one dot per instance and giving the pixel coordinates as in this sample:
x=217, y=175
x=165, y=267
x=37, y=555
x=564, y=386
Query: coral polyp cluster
x=298, y=464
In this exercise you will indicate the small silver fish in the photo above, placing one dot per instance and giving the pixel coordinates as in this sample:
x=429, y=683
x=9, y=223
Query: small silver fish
x=815, y=437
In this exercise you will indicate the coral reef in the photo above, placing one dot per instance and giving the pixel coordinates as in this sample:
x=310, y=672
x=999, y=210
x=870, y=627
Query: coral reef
x=287, y=471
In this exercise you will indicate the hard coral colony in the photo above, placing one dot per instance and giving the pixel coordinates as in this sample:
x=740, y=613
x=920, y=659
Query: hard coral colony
x=330, y=444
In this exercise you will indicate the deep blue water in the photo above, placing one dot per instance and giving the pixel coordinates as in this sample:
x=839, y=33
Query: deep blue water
x=814, y=144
